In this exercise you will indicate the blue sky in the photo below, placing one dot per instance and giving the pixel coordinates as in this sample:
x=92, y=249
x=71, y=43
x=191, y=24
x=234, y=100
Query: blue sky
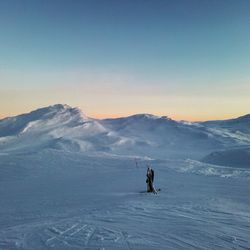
x=186, y=59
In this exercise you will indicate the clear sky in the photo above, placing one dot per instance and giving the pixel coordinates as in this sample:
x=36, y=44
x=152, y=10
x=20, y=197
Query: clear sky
x=187, y=59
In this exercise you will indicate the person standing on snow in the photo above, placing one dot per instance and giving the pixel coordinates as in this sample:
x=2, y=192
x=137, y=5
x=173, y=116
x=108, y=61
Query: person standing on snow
x=150, y=180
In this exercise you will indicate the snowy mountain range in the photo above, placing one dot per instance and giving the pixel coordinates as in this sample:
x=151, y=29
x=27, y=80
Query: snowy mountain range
x=61, y=127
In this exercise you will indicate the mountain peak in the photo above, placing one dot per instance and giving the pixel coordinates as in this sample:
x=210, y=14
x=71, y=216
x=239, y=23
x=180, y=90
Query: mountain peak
x=144, y=116
x=57, y=109
x=60, y=106
x=55, y=115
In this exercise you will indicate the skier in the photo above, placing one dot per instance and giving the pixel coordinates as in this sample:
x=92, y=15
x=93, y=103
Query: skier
x=150, y=180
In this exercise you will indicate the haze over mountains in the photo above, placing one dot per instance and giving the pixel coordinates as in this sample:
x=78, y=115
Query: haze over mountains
x=61, y=127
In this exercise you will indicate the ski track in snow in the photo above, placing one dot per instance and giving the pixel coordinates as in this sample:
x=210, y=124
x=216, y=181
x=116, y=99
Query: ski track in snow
x=75, y=233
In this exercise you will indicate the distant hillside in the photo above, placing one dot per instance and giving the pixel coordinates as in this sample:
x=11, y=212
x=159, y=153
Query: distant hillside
x=61, y=127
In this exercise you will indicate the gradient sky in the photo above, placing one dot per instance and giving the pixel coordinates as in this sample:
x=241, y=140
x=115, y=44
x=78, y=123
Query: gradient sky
x=185, y=59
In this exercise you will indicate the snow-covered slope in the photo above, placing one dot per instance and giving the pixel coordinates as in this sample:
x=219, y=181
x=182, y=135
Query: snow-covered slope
x=237, y=155
x=238, y=129
x=160, y=137
x=43, y=119
x=58, y=127
x=240, y=124
x=71, y=182
x=67, y=201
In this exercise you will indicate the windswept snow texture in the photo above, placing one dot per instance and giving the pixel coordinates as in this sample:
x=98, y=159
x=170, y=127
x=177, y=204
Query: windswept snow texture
x=68, y=181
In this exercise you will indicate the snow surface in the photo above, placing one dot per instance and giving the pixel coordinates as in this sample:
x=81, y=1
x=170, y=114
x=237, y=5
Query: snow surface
x=68, y=181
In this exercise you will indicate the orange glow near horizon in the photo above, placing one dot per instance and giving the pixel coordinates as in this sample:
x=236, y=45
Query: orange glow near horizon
x=101, y=96
x=177, y=117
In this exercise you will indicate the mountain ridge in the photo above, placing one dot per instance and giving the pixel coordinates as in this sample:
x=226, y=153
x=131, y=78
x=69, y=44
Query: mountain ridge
x=59, y=107
x=61, y=127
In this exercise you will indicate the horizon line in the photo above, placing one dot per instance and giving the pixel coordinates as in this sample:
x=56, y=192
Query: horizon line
x=117, y=116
